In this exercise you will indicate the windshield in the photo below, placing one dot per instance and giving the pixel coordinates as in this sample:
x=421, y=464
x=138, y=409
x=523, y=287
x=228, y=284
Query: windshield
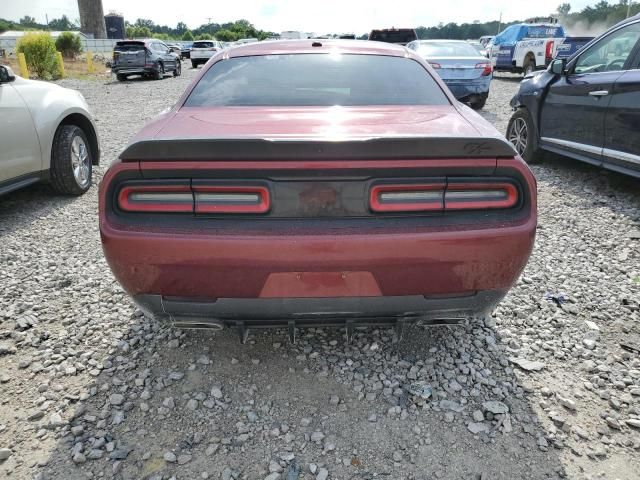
x=316, y=80
x=446, y=49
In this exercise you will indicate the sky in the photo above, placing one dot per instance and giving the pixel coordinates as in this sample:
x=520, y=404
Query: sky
x=318, y=16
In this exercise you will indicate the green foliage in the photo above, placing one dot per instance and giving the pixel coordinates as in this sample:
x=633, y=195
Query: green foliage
x=187, y=36
x=162, y=36
x=138, y=32
x=62, y=24
x=227, y=36
x=69, y=44
x=204, y=36
x=40, y=52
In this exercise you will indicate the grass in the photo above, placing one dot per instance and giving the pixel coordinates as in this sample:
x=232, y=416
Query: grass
x=72, y=68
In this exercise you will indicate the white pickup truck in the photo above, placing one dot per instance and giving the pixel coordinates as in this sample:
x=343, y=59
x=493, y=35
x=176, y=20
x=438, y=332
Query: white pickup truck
x=526, y=47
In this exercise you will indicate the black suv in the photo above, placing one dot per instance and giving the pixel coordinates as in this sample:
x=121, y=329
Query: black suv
x=149, y=58
x=586, y=107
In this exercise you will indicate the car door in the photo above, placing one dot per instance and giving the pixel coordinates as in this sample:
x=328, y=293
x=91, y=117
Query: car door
x=622, y=121
x=20, y=151
x=167, y=56
x=573, y=114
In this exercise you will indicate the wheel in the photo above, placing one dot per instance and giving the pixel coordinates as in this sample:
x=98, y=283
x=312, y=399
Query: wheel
x=522, y=134
x=178, y=70
x=529, y=66
x=479, y=102
x=159, y=73
x=71, y=161
x=121, y=77
x=194, y=64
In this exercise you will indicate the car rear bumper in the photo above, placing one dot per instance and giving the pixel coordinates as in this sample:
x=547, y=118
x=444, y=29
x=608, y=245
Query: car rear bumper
x=313, y=312
x=133, y=70
x=464, y=89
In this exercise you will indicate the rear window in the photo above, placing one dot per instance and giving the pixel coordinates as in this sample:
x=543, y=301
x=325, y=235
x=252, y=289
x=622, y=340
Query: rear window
x=542, y=31
x=203, y=45
x=129, y=47
x=393, y=36
x=446, y=49
x=316, y=80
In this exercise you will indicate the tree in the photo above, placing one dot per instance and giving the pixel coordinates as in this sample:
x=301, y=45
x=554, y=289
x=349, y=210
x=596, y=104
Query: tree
x=227, y=36
x=69, y=44
x=62, y=24
x=187, y=36
x=204, y=36
x=138, y=32
x=181, y=28
x=28, y=21
x=563, y=9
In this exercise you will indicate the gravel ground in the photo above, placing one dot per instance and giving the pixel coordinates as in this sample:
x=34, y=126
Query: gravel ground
x=542, y=389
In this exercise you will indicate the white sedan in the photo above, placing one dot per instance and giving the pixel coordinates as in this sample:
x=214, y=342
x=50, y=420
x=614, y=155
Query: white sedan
x=47, y=133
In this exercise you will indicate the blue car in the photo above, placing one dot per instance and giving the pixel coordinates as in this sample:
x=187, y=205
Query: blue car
x=465, y=71
x=586, y=107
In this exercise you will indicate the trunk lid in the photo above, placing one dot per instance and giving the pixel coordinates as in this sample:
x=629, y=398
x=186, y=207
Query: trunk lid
x=459, y=68
x=314, y=133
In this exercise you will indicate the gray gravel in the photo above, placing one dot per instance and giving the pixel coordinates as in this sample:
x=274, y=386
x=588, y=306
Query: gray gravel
x=542, y=389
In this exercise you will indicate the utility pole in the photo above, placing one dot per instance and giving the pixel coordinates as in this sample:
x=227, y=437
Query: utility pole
x=209, y=23
x=629, y=2
x=499, y=24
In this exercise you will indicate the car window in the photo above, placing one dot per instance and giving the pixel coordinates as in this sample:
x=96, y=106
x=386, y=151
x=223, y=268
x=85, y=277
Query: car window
x=316, y=80
x=128, y=47
x=610, y=53
x=446, y=49
x=545, y=31
x=203, y=45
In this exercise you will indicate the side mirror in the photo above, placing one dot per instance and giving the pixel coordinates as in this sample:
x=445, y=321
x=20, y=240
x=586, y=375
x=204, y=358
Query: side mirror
x=559, y=67
x=6, y=75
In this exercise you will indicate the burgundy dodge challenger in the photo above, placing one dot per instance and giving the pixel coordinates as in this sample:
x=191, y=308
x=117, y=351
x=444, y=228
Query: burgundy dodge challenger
x=317, y=183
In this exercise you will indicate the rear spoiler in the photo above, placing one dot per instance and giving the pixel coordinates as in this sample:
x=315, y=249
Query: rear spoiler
x=382, y=148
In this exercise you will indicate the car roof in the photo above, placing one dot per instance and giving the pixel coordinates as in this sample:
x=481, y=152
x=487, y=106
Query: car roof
x=324, y=46
x=441, y=40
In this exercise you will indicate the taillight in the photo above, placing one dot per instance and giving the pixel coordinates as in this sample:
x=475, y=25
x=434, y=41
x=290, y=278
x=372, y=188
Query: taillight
x=231, y=199
x=435, y=65
x=440, y=196
x=486, y=68
x=549, y=51
x=407, y=198
x=156, y=198
x=480, y=196
x=182, y=197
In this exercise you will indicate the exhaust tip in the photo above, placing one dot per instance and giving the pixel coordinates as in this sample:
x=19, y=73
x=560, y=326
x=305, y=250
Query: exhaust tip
x=197, y=324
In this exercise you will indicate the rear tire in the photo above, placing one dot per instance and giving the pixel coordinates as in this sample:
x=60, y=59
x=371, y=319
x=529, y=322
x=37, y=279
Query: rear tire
x=121, y=77
x=159, y=73
x=529, y=66
x=71, y=161
x=194, y=64
x=178, y=70
x=479, y=103
x=523, y=135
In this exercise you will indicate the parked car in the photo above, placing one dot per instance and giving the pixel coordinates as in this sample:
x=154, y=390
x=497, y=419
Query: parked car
x=467, y=73
x=485, y=40
x=203, y=50
x=185, y=50
x=47, y=134
x=149, y=58
x=400, y=36
x=175, y=48
x=479, y=47
x=586, y=107
x=330, y=198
